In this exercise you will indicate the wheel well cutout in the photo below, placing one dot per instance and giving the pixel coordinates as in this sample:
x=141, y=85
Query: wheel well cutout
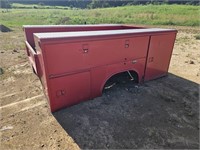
x=121, y=79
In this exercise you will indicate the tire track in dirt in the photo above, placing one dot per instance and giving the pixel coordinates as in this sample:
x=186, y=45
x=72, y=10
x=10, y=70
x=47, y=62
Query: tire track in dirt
x=22, y=101
x=22, y=105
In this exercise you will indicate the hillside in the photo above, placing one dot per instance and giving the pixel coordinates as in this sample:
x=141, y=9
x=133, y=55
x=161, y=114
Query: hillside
x=182, y=15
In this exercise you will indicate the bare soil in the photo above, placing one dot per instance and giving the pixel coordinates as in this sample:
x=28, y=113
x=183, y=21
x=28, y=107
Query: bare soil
x=162, y=113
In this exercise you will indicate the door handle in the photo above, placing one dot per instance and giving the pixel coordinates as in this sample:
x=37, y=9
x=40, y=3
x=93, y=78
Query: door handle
x=134, y=61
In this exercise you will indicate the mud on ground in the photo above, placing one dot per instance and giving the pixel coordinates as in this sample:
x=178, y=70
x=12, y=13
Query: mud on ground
x=162, y=113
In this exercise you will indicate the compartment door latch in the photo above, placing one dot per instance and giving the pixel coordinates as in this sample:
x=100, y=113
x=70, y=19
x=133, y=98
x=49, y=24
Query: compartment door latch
x=60, y=93
x=126, y=44
x=85, y=48
x=150, y=59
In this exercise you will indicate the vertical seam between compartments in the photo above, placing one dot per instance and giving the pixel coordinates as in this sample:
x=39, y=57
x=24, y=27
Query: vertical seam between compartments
x=147, y=55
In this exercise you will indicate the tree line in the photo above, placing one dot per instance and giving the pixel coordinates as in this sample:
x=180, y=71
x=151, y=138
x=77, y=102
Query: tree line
x=94, y=3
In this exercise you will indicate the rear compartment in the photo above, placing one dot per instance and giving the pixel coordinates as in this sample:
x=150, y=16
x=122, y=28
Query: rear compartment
x=74, y=62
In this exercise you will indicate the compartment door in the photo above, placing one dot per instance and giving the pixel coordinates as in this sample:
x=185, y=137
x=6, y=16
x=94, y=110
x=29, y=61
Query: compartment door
x=159, y=55
x=69, y=90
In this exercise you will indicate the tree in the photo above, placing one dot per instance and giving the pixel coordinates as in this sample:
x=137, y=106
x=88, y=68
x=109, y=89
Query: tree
x=41, y=4
x=4, y=4
x=165, y=1
x=98, y=4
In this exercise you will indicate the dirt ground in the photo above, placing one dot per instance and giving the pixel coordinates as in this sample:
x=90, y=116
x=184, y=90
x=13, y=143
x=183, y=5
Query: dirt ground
x=162, y=113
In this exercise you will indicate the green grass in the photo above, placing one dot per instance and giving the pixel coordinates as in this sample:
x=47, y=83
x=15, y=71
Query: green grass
x=181, y=15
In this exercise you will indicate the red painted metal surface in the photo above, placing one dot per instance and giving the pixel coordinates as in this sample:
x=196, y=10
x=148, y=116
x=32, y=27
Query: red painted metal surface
x=159, y=55
x=74, y=62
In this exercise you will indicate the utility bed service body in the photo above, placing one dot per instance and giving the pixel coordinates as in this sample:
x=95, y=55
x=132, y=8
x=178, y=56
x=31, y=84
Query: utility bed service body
x=74, y=62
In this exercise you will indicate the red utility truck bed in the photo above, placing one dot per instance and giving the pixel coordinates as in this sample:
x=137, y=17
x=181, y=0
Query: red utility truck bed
x=74, y=62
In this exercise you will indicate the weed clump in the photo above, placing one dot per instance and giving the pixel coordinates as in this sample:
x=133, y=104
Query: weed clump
x=197, y=37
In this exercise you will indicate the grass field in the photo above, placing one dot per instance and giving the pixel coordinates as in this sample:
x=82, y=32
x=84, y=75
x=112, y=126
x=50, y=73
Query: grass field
x=159, y=114
x=36, y=6
x=181, y=15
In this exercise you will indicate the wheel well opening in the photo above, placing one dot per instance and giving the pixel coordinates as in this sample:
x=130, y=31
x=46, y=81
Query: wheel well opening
x=121, y=79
